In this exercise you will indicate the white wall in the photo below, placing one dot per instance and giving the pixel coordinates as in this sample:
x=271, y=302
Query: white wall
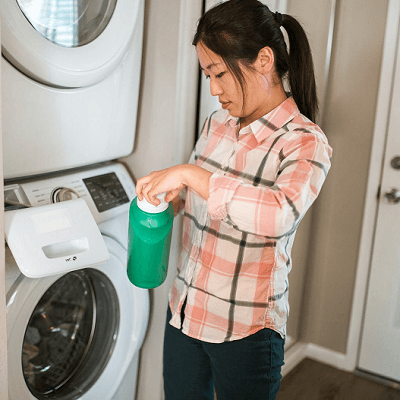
x=165, y=137
x=318, y=31
x=348, y=122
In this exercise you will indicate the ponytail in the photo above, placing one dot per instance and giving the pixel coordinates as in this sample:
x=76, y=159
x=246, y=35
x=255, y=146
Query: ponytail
x=237, y=30
x=301, y=69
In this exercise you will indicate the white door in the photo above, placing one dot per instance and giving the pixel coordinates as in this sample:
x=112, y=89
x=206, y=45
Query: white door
x=380, y=341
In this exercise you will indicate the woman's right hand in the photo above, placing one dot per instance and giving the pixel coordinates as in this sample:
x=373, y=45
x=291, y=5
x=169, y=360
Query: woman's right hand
x=171, y=181
x=167, y=181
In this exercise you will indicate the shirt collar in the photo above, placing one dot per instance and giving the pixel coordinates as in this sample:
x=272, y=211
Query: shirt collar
x=270, y=122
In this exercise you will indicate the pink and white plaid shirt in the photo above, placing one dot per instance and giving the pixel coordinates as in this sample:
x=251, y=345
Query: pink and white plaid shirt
x=236, y=258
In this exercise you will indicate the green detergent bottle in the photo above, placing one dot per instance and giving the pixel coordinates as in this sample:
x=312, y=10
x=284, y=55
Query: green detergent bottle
x=149, y=240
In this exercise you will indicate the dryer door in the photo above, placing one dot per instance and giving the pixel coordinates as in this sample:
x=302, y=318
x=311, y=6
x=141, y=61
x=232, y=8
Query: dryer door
x=74, y=336
x=67, y=43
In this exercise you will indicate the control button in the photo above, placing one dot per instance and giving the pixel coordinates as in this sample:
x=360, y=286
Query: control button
x=63, y=194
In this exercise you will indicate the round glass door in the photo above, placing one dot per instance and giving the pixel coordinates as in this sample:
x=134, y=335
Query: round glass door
x=68, y=23
x=70, y=335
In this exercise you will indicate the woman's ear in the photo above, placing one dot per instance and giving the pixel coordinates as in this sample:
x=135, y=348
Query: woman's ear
x=265, y=60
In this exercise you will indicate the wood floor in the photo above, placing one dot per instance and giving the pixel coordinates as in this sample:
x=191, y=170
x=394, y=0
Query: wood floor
x=311, y=380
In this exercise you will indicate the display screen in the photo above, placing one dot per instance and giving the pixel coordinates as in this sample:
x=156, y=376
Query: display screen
x=106, y=191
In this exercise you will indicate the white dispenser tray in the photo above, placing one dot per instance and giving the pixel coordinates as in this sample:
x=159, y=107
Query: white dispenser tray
x=55, y=238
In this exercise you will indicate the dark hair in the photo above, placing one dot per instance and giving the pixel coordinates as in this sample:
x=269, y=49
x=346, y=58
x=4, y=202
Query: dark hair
x=237, y=30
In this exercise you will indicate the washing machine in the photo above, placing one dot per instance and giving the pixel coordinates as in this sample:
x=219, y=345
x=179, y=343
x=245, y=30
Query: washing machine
x=70, y=82
x=76, y=335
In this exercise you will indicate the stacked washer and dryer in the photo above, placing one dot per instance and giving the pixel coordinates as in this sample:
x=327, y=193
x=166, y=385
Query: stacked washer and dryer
x=70, y=89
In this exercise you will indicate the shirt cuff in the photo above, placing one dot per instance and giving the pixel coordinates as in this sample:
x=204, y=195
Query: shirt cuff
x=222, y=190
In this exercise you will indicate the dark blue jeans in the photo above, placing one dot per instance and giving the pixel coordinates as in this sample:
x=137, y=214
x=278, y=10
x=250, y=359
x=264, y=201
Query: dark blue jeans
x=245, y=369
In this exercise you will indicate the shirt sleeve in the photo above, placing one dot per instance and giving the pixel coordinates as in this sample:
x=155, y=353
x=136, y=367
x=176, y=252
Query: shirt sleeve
x=274, y=211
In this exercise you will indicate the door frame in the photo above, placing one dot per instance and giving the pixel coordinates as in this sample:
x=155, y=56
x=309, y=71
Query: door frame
x=392, y=36
x=3, y=327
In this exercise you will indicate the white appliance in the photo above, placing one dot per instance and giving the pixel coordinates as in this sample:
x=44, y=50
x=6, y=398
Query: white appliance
x=70, y=82
x=77, y=335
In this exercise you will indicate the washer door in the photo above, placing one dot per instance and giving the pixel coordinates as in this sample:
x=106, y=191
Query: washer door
x=74, y=336
x=67, y=43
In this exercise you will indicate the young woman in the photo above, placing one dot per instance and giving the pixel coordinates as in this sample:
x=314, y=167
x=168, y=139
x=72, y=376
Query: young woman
x=256, y=169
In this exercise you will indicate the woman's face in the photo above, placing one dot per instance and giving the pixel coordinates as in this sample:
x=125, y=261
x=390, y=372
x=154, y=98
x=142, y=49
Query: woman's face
x=224, y=85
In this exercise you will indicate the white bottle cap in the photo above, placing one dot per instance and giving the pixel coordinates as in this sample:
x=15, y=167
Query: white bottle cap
x=145, y=206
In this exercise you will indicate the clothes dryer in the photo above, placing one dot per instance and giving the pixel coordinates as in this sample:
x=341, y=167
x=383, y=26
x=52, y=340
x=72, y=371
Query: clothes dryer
x=70, y=82
x=77, y=335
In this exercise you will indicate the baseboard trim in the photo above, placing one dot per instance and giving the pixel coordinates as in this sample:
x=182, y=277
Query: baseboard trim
x=327, y=356
x=298, y=351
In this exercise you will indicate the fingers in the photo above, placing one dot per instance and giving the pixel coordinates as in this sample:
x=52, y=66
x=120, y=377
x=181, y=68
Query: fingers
x=146, y=188
x=150, y=194
x=172, y=194
x=140, y=184
x=178, y=203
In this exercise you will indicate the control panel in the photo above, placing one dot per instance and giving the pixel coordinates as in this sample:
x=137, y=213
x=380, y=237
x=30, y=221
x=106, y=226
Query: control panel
x=108, y=191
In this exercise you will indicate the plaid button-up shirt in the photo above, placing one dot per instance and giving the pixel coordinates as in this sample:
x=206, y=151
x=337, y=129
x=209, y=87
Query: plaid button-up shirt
x=235, y=261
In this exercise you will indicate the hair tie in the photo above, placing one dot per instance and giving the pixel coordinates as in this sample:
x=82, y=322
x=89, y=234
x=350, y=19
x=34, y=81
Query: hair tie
x=278, y=18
